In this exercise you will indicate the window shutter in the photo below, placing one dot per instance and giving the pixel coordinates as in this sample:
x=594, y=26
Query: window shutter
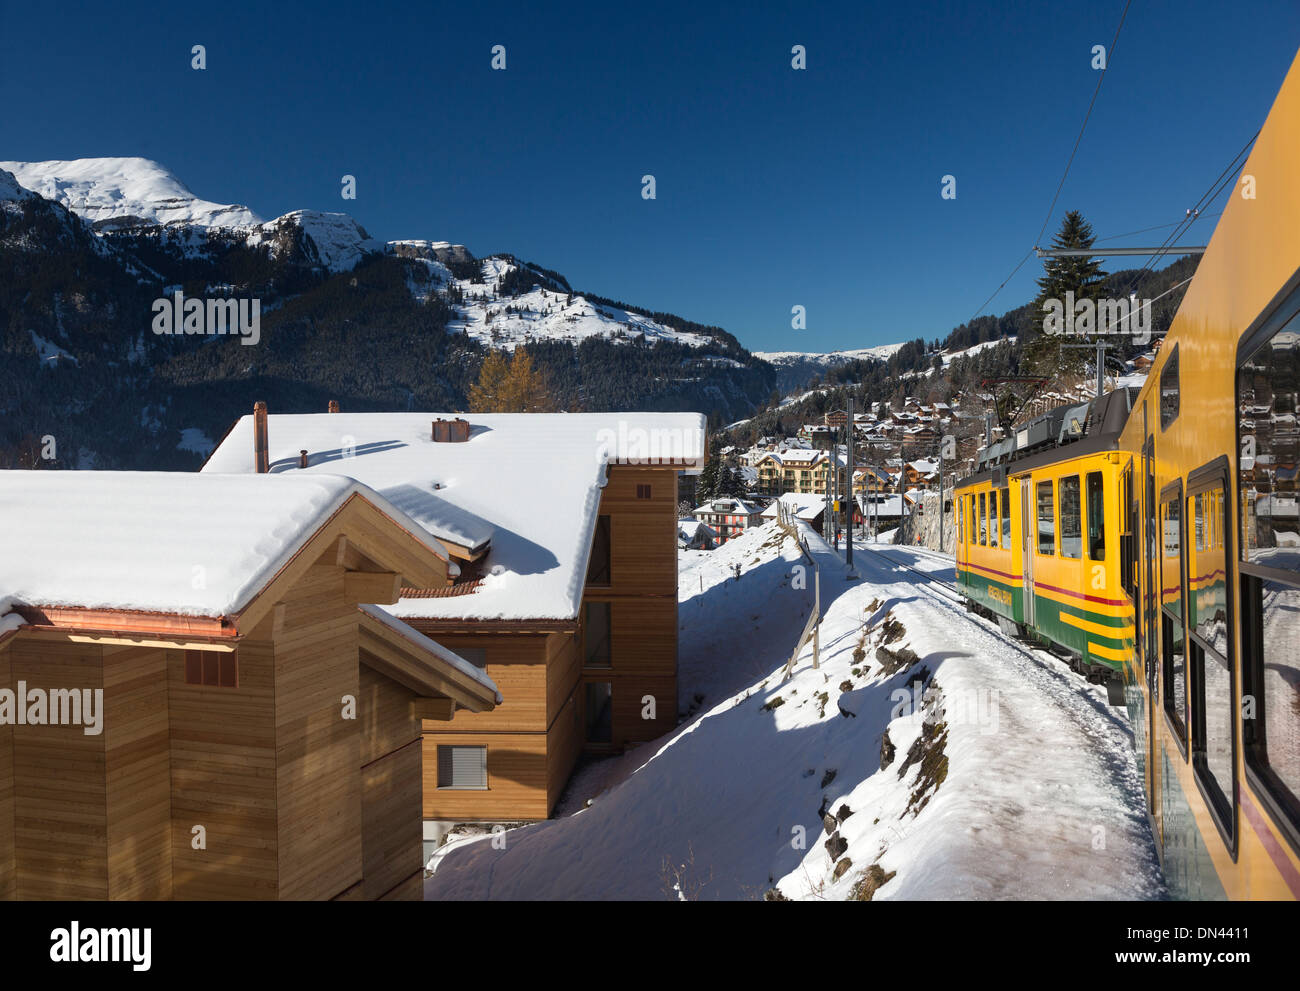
x=462, y=767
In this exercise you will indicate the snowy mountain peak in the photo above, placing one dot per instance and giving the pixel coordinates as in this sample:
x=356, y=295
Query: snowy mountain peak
x=122, y=192
x=10, y=189
x=339, y=242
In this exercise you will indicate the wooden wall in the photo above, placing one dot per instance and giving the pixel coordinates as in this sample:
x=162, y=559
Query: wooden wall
x=318, y=755
x=563, y=746
x=392, y=837
x=60, y=832
x=138, y=773
x=517, y=778
x=7, y=880
x=223, y=769
x=643, y=602
x=392, y=826
x=517, y=662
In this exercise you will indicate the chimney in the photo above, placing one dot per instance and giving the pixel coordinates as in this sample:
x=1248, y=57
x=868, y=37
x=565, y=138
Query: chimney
x=260, y=453
x=450, y=431
x=302, y=458
x=334, y=405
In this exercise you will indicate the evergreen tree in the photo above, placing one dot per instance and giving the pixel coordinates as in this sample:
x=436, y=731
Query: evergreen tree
x=710, y=475
x=1083, y=276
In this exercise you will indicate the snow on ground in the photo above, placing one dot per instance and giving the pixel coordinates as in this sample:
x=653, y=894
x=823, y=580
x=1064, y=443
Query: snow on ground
x=49, y=353
x=1009, y=777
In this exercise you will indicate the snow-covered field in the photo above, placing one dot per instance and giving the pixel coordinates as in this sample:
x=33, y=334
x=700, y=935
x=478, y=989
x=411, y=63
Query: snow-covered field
x=943, y=761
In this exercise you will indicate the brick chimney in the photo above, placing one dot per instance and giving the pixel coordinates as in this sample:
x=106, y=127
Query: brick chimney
x=450, y=431
x=302, y=458
x=261, y=455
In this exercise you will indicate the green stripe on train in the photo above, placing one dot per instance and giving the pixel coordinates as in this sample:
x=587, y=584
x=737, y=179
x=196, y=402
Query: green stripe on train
x=994, y=593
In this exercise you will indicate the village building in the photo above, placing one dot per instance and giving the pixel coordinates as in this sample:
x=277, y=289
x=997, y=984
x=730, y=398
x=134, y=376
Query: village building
x=563, y=528
x=202, y=693
x=728, y=517
x=810, y=509
x=695, y=536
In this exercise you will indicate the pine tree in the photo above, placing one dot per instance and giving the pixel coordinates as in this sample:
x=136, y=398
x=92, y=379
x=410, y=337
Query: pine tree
x=710, y=476
x=1081, y=275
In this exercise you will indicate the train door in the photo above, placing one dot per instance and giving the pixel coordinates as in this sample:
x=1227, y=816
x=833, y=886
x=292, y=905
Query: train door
x=1027, y=549
x=1148, y=649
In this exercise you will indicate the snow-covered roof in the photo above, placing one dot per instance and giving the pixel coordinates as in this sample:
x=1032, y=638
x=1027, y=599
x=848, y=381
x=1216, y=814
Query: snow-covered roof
x=804, y=505
x=730, y=504
x=689, y=528
x=433, y=647
x=169, y=542
x=527, y=482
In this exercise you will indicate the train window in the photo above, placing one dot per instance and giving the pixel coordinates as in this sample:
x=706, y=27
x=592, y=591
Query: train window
x=1006, y=518
x=993, y=518
x=1128, y=536
x=970, y=508
x=1268, y=447
x=1169, y=391
x=1046, y=520
x=1071, y=525
x=1096, y=517
x=1209, y=653
x=983, y=522
x=1173, y=654
x=960, y=531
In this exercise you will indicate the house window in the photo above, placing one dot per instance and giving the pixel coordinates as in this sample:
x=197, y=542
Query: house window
x=600, y=712
x=598, y=570
x=595, y=637
x=1071, y=525
x=643, y=492
x=462, y=768
x=212, y=668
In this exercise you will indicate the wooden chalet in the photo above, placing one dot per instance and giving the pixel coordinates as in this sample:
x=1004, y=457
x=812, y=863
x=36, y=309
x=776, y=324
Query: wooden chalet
x=250, y=723
x=563, y=528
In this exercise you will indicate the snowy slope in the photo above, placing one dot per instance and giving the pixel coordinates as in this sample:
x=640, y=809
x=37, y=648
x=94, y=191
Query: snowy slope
x=827, y=359
x=1010, y=778
x=505, y=321
x=334, y=241
x=125, y=191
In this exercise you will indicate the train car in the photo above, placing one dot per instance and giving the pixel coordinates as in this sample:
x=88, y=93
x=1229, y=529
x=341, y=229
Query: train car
x=1040, y=536
x=1211, y=453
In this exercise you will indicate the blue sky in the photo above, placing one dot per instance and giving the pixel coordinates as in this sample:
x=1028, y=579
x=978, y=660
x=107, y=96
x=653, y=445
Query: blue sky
x=775, y=187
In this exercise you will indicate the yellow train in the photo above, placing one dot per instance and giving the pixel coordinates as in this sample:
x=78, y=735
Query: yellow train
x=1164, y=552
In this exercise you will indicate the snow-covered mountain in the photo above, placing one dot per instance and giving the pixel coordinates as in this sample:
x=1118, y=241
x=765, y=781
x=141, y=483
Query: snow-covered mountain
x=795, y=369
x=111, y=192
x=496, y=300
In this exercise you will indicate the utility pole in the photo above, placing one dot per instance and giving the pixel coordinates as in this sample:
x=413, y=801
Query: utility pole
x=941, y=492
x=848, y=471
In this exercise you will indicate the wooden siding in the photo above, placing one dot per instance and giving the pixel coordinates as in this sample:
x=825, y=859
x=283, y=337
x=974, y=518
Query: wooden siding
x=563, y=746
x=7, y=878
x=391, y=823
x=224, y=778
x=563, y=672
x=517, y=780
x=138, y=773
x=643, y=532
x=518, y=665
x=385, y=716
x=318, y=789
x=60, y=831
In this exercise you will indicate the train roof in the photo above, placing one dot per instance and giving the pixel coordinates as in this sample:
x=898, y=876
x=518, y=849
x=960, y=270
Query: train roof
x=1065, y=432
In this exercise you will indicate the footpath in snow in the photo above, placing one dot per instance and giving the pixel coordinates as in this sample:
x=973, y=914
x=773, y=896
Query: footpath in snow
x=927, y=757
